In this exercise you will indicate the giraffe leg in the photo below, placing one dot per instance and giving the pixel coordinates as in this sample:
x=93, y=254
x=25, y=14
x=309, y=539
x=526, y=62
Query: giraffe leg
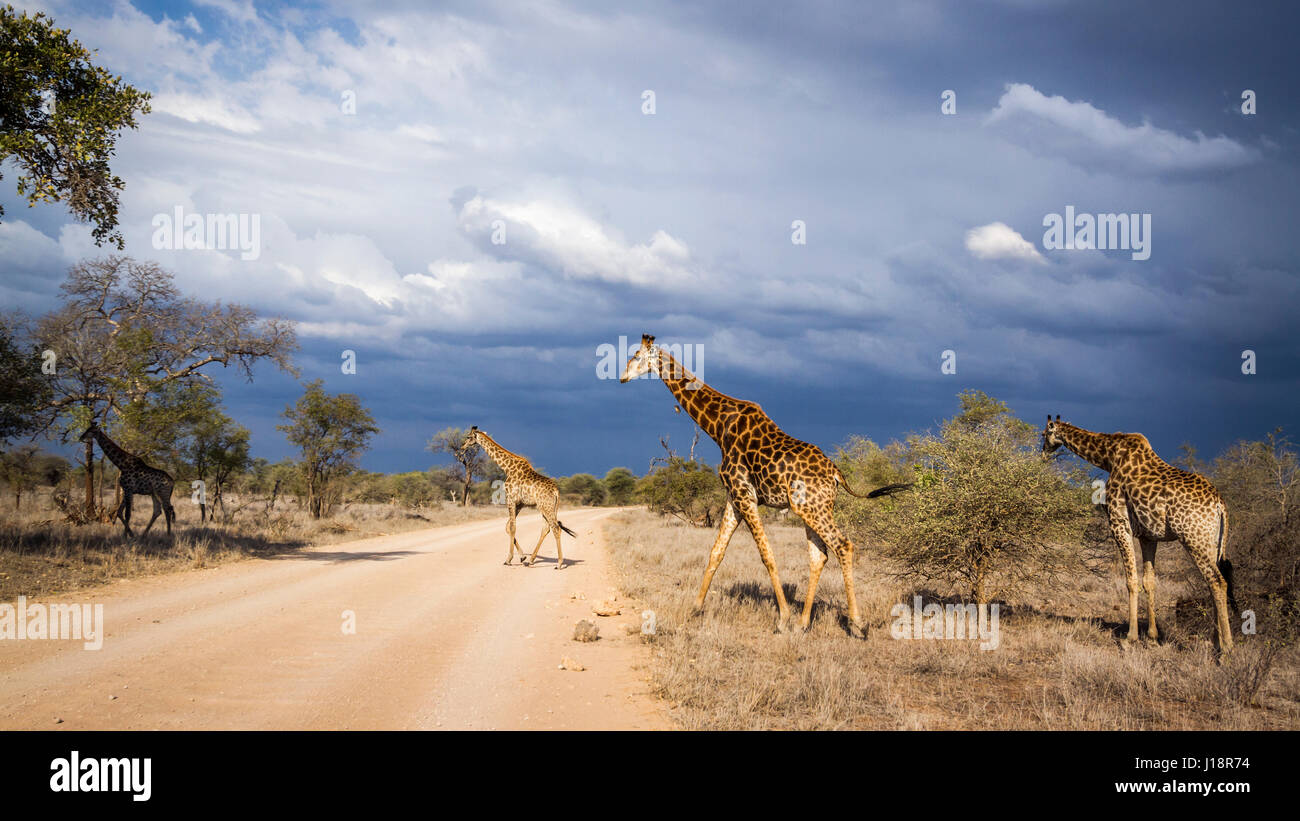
x=550, y=525
x=748, y=508
x=157, y=511
x=124, y=510
x=1121, y=530
x=1204, y=553
x=169, y=512
x=559, y=551
x=844, y=555
x=117, y=511
x=816, y=561
x=1149, y=585
x=510, y=529
x=729, y=524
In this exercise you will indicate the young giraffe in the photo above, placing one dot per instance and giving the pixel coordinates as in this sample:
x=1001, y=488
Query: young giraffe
x=1150, y=499
x=762, y=465
x=136, y=477
x=524, y=487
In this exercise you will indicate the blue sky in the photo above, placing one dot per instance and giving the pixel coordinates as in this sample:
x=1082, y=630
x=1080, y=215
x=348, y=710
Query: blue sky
x=924, y=230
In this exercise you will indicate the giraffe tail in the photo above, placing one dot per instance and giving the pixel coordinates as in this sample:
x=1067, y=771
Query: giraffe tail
x=887, y=490
x=565, y=529
x=1225, y=566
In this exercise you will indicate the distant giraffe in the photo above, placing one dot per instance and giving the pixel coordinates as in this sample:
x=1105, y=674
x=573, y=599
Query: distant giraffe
x=136, y=477
x=761, y=465
x=524, y=487
x=1150, y=499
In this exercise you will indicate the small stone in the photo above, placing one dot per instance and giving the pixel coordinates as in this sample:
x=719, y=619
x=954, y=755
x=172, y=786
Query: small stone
x=607, y=608
x=571, y=665
x=58, y=720
x=585, y=631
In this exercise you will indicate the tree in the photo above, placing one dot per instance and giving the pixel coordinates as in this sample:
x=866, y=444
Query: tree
x=59, y=120
x=587, y=488
x=217, y=449
x=22, y=386
x=124, y=333
x=331, y=432
x=686, y=489
x=620, y=483
x=20, y=471
x=977, y=408
x=1259, y=474
x=471, y=461
x=987, y=512
x=1257, y=481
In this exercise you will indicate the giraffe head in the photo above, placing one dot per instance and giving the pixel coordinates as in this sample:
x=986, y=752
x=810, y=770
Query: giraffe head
x=471, y=438
x=90, y=433
x=645, y=360
x=1051, y=438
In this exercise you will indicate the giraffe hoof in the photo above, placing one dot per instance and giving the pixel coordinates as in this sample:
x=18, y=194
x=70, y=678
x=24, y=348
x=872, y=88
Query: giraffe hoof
x=856, y=631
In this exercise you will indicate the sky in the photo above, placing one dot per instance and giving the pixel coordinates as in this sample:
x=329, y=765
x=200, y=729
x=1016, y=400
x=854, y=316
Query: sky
x=475, y=197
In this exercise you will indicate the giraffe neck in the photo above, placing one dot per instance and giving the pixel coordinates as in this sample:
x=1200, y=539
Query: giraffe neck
x=1095, y=448
x=693, y=395
x=115, y=454
x=505, y=459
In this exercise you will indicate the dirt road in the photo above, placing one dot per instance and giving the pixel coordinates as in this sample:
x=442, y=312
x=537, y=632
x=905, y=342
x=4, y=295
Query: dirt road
x=445, y=637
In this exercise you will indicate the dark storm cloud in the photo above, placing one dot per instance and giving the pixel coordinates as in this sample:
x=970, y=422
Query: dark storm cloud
x=378, y=226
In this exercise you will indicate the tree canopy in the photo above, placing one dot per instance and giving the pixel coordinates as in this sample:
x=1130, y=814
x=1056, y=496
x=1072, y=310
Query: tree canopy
x=60, y=115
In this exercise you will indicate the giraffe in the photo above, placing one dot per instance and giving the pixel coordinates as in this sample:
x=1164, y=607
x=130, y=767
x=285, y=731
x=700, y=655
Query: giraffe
x=762, y=465
x=1151, y=500
x=524, y=487
x=136, y=477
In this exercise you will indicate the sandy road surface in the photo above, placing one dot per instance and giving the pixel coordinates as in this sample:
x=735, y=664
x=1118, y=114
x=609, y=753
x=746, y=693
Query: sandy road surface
x=446, y=637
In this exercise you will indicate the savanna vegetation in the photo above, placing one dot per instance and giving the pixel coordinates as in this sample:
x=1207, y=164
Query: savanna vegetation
x=988, y=520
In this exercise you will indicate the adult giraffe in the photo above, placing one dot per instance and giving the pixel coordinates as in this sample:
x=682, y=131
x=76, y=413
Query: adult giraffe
x=1150, y=499
x=135, y=476
x=762, y=465
x=524, y=487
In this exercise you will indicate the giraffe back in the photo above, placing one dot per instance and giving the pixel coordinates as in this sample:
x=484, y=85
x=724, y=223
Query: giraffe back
x=1166, y=502
x=773, y=459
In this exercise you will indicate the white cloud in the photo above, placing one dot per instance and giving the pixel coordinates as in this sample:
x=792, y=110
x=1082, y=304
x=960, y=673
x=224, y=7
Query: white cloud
x=210, y=110
x=424, y=133
x=242, y=12
x=997, y=240
x=1087, y=135
x=564, y=239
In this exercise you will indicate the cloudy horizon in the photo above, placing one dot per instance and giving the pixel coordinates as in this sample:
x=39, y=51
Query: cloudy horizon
x=475, y=198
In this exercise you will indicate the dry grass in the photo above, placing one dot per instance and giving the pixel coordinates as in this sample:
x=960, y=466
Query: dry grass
x=41, y=555
x=1059, y=665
